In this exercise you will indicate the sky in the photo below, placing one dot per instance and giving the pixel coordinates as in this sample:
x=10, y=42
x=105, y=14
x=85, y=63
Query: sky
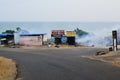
x=60, y=10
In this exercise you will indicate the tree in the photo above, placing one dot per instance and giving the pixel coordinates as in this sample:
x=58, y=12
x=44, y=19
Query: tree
x=8, y=32
x=18, y=29
x=80, y=32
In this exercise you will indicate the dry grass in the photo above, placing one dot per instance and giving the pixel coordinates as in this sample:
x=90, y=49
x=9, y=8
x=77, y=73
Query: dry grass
x=114, y=61
x=8, y=70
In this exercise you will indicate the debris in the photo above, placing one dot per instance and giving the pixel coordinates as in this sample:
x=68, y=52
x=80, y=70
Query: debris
x=101, y=53
x=57, y=46
x=110, y=49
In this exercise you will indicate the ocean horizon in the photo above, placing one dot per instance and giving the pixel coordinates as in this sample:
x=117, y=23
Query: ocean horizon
x=98, y=28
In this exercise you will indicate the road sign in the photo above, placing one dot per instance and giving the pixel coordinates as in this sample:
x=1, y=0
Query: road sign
x=114, y=34
x=70, y=33
x=64, y=39
x=57, y=33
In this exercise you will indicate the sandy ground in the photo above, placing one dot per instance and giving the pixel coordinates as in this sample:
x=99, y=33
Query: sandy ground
x=60, y=47
x=111, y=57
x=8, y=70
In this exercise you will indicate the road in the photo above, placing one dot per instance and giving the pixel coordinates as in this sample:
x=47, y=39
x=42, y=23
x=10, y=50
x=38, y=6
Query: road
x=60, y=64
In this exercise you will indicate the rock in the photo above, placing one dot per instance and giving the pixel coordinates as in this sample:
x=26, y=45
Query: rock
x=101, y=53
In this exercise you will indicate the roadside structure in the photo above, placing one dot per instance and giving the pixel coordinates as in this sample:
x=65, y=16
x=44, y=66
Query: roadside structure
x=6, y=39
x=33, y=39
x=61, y=38
x=71, y=37
x=57, y=35
x=115, y=43
x=23, y=39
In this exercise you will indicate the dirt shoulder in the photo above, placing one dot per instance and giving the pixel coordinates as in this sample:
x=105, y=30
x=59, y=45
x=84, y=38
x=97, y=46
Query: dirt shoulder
x=111, y=57
x=8, y=70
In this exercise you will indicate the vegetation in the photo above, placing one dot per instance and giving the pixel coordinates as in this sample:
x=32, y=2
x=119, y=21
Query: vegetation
x=18, y=29
x=8, y=69
x=80, y=32
x=8, y=32
x=50, y=41
x=11, y=31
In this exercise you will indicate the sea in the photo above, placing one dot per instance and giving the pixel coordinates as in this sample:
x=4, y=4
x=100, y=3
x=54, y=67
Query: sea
x=99, y=30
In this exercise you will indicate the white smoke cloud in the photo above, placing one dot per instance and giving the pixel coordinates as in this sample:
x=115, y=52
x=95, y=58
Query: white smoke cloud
x=21, y=31
x=98, y=38
x=17, y=35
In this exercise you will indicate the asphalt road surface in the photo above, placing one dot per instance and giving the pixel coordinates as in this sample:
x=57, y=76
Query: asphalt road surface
x=60, y=64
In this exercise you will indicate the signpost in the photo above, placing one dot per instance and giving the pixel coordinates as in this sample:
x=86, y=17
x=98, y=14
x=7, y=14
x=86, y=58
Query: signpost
x=71, y=37
x=57, y=33
x=114, y=35
x=70, y=33
x=64, y=39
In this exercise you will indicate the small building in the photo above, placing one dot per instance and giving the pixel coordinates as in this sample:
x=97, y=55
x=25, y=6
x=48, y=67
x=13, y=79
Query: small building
x=6, y=39
x=71, y=37
x=57, y=34
x=32, y=39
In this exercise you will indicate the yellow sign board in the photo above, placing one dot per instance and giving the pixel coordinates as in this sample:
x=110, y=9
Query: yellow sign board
x=70, y=33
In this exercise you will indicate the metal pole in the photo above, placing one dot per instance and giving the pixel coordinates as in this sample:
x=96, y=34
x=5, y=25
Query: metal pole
x=115, y=44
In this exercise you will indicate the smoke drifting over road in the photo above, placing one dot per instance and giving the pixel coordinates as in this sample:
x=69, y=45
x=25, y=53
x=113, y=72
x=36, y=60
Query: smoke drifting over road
x=94, y=40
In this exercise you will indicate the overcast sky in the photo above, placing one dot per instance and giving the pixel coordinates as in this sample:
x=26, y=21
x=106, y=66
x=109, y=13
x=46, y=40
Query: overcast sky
x=60, y=10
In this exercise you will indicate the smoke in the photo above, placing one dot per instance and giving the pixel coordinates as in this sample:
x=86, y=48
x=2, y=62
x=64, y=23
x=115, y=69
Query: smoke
x=95, y=39
x=22, y=31
x=18, y=33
